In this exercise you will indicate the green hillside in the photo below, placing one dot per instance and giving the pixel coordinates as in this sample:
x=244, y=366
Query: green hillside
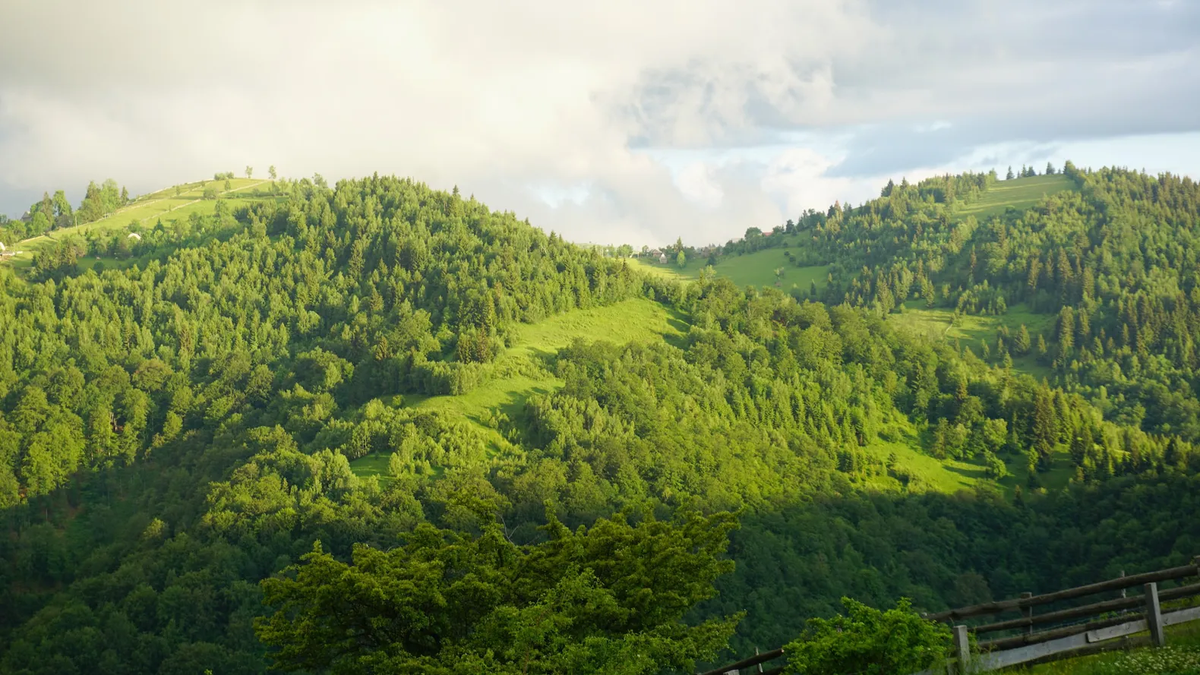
x=1019, y=193
x=167, y=205
x=752, y=269
x=973, y=330
x=523, y=368
x=382, y=407
x=758, y=268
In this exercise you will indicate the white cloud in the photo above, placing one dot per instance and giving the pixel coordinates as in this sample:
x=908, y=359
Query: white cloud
x=539, y=107
x=696, y=182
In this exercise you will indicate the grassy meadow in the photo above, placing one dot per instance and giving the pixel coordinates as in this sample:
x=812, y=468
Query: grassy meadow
x=168, y=205
x=524, y=369
x=752, y=269
x=971, y=330
x=1019, y=193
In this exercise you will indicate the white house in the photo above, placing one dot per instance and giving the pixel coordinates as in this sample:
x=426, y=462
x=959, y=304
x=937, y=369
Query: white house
x=662, y=258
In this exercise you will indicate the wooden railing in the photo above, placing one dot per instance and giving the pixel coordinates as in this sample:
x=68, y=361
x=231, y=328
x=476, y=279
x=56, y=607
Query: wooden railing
x=1048, y=636
x=757, y=660
x=1072, y=631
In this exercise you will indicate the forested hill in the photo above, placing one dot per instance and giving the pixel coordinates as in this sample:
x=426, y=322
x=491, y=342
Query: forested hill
x=380, y=367
x=1088, y=278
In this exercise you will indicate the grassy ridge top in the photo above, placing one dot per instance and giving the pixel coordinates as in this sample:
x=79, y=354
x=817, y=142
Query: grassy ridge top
x=168, y=205
x=759, y=267
x=1019, y=193
x=752, y=269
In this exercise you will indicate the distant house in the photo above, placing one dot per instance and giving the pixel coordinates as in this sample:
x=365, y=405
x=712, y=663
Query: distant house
x=662, y=258
x=26, y=217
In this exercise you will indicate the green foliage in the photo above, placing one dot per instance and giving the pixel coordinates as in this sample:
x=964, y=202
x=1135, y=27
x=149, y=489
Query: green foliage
x=609, y=598
x=866, y=641
x=182, y=424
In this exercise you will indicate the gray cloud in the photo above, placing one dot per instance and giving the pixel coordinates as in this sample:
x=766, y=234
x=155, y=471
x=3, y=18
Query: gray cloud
x=511, y=100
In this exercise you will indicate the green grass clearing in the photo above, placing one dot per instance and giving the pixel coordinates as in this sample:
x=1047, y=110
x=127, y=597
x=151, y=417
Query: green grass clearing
x=970, y=330
x=753, y=269
x=1019, y=193
x=372, y=465
x=521, y=371
x=690, y=272
x=146, y=211
x=931, y=474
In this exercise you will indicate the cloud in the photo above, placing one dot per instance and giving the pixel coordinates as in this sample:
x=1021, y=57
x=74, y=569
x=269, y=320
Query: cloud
x=632, y=120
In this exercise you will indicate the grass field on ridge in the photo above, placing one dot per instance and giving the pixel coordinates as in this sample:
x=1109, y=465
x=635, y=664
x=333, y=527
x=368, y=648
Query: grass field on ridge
x=147, y=210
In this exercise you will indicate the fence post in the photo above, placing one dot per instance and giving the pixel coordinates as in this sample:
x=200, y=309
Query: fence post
x=1123, y=589
x=1027, y=612
x=962, y=647
x=1154, y=615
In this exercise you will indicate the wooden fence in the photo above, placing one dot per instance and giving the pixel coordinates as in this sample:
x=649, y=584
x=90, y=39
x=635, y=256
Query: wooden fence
x=1048, y=636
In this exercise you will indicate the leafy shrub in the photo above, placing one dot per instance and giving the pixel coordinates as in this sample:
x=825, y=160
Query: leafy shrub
x=868, y=642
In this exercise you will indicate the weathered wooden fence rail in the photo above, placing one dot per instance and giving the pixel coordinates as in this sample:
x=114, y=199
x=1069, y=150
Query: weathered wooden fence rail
x=1049, y=636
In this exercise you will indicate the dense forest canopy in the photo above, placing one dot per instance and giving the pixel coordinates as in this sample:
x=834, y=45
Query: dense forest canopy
x=173, y=433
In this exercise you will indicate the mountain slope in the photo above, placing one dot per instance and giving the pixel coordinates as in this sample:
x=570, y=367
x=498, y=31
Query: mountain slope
x=171, y=434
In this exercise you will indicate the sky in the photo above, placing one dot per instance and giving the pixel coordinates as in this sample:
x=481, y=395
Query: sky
x=625, y=121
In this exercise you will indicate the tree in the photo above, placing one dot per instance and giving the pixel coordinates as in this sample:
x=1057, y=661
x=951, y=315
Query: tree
x=1009, y=175
x=271, y=172
x=1049, y=168
x=110, y=195
x=1022, y=342
x=62, y=207
x=211, y=191
x=39, y=224
x=92, y=207
x=867, y=641
x=1066, y=329
x=46, y=206
x=249, y=171
x=680, y=260
x=611, y=596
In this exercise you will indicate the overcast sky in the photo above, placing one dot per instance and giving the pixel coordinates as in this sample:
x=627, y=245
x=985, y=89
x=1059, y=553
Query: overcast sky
x=619, y=121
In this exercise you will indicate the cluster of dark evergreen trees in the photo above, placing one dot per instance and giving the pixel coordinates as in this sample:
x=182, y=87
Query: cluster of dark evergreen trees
x=173, y=433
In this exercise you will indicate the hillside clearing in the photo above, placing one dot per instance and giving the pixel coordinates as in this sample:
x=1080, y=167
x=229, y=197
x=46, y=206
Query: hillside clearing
x=752, y=269
x=523, y=369
x=146, y=210
x=1019, y=193
x=972, y=330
